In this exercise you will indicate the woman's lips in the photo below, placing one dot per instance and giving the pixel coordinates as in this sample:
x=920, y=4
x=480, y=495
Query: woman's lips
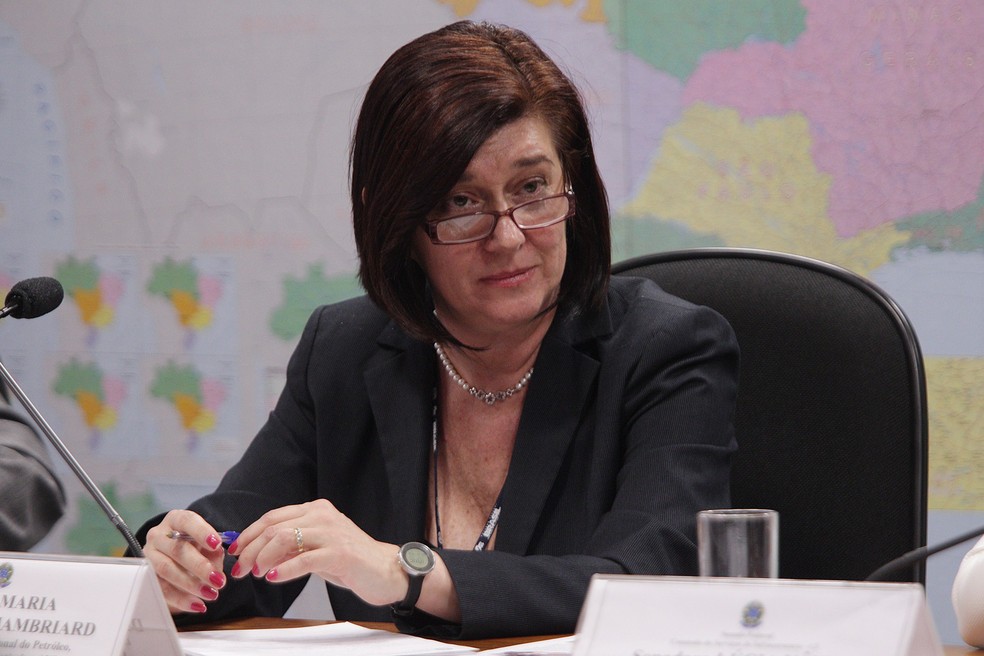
x=508, y=278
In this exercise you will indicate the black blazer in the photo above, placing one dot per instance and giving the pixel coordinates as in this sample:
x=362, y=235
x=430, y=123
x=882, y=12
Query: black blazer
x=625, y=434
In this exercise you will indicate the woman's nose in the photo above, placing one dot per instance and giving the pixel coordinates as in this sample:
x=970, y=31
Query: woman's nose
x=506, y=233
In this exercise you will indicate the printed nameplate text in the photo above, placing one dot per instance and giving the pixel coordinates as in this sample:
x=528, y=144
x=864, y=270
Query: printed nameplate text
x=690, y=616
x=78, y=606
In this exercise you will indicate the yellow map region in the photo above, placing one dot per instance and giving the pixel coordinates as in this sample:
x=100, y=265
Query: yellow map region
x=752, y=183
x=95, y=413
x=956, y=433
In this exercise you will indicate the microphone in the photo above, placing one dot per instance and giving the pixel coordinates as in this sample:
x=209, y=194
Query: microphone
x=28, y=299
x=32, y=297
x=920, y=554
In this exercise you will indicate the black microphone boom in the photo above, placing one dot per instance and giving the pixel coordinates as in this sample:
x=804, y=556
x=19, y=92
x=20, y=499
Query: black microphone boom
x=32, y=298
x=920, y=554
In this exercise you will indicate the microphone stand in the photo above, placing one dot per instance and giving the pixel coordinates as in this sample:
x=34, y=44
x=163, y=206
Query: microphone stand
x=67, y=456
x=922, y=553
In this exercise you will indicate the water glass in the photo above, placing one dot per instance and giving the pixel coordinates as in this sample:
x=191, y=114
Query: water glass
x=742, y=542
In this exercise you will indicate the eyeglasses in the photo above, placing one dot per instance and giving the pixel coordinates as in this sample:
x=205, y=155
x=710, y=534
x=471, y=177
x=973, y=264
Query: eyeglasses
x=476, y=226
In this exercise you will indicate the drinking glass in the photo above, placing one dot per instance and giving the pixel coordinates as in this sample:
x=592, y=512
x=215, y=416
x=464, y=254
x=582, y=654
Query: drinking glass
x=742, y=542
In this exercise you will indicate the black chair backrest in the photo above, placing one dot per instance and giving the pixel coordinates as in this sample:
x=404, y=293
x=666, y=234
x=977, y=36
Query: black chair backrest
x=831, y=414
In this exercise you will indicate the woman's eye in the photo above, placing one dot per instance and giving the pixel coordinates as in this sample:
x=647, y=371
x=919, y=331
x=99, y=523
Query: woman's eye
x=533, y=186
x=460, y=203
x=454, y=205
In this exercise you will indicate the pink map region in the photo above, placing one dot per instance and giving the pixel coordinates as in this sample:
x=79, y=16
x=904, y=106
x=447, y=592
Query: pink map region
x=893, y=92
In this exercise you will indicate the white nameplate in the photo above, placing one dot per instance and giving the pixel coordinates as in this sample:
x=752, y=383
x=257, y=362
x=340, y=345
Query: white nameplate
x=80, y=605
x=690, y=616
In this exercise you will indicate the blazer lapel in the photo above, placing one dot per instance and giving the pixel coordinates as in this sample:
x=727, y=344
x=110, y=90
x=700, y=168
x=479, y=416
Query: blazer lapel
x=400, y=383
x=563, y=378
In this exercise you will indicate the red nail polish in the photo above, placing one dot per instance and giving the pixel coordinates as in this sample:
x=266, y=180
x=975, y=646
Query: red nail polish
x=256, y=569
x=234, y=547
x=216, y=579
x=198, y=607
x=235, y=571
x=213, y=541
x=208, y=593
x=271, y=575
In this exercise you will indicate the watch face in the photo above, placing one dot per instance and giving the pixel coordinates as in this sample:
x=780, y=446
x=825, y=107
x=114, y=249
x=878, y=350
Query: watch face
x=417, y=558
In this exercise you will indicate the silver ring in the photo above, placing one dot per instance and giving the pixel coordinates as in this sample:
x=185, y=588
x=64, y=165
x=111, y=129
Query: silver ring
x=299, y=539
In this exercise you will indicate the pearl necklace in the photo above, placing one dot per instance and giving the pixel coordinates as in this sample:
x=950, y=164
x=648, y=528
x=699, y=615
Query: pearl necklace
x=490, y=398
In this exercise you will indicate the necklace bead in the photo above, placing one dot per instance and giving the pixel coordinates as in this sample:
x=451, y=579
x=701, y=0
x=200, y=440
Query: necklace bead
x=490, y=398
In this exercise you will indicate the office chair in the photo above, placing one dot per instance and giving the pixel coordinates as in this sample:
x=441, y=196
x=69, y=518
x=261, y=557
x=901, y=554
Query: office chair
x=831, y=411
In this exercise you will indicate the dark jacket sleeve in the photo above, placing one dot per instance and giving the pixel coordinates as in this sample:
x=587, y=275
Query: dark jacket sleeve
x=33, y=498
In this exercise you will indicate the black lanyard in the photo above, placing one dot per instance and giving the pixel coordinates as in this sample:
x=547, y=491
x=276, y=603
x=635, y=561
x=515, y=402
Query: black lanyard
x=491, y=522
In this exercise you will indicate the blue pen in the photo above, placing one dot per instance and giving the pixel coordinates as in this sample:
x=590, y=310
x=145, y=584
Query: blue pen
x=227, y=537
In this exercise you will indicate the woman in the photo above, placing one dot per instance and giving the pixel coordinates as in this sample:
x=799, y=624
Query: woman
x=497, y=420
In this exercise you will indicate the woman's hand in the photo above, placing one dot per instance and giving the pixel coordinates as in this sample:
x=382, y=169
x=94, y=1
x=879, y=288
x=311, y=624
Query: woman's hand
x=315, y=538
x=189, y=571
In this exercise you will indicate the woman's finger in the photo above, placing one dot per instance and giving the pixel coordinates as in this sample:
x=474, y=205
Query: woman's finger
x=286, y=514
x=179, y=601
x=274, y=535
x=276, y=544
x=182, y=591
x=200, y=560
x=188, y=526
x=188, y=568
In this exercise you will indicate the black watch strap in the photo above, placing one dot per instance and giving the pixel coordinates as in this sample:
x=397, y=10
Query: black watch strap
x=405, y=607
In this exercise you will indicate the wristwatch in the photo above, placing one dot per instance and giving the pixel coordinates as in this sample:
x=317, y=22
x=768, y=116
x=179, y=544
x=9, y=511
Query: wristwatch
x=417, y=561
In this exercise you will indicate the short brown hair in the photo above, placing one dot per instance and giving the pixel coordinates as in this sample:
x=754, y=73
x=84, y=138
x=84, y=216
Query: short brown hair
x=430, y=107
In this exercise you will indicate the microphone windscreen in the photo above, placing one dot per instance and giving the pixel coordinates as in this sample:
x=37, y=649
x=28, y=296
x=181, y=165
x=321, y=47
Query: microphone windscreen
x=34, y=297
